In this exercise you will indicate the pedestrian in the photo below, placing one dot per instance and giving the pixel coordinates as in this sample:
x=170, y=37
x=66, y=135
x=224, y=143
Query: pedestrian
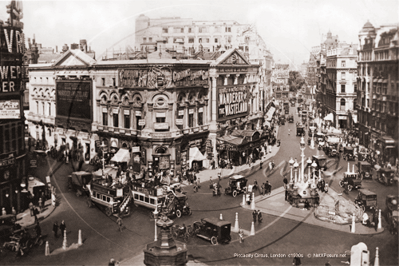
x=31, y=209
x=254, y=215
x=260, y=219
x=241, y=235
x=296, y=261
x=40, y=203
x=289, y=132
x=248, y=198
x=55, y=229
x=119, y=221
x=262, y=189
x=38, y=230
x=111, y=262
x=62, y=228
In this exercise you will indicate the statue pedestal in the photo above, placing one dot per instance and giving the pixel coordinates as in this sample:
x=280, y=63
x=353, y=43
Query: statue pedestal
x=165, y=251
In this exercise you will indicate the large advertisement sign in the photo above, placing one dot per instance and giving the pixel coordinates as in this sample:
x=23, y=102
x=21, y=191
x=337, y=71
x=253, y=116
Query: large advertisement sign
x=74, y=99
x=232, y=102
x=10, y=109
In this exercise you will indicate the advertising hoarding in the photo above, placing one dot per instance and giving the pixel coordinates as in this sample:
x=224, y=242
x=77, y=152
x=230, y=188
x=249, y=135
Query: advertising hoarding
x=232, y=102
x=10, y=109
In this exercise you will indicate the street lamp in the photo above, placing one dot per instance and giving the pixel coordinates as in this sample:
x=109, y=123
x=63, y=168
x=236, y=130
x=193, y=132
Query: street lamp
x=308, y=162
x=291, y=162
x=314, y=165
x=302, y=146
x=155, y=218
x=102, y=146
x=312, y=129
x=296, y=165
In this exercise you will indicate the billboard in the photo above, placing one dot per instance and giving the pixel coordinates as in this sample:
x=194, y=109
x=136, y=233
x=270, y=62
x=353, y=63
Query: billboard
x=73, y=98
x=10, y=109
x=232, y=102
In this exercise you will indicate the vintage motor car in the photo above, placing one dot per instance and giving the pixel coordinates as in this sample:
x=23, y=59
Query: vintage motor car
x=364, y=170
x=237, y=185
x=321, y=161
x=392, y=213
x=366, y=199
x=78, y=181
x=300, y=130
x=386, y=176
x=214, y=230
x=290, y=119
x=348, y=153
x=351, y=180
x=282, y=119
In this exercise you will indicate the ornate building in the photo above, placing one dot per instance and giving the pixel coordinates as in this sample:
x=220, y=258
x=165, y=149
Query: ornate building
x=377, y=95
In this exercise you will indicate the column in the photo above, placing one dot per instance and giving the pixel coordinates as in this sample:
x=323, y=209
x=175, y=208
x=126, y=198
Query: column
x=185, y=123
x=213, y=124
x=172, y=116
x=214, y=98
x=236, y=79
x=226, y=79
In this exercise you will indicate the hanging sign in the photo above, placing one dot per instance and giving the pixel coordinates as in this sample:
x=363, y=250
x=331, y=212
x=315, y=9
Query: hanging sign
x=141, y=122
x=181, y=112
x=179, y=121
x=191, y=111
x=138, y=113
x=126, y=112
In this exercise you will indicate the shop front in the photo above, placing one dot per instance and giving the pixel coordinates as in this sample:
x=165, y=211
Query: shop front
x=11, y=168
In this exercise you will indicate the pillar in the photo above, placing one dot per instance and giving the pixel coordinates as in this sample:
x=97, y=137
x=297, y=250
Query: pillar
x=213, y=123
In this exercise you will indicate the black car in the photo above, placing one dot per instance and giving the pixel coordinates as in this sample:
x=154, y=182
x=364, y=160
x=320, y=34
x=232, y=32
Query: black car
x=214, y=230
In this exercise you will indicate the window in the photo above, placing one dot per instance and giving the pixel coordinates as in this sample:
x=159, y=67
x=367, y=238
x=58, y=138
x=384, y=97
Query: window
x=200, y=117
x=342, y=88
x=138, y=127
x=191, y=118
x=103, y=81
x=144, y=39
x=343, y=63
x=105, y=118
x=206, y=40
x=127, y=120
x=150, y=39
x=228, y=29
x=37, y=107
x=164, y=30
x=181, y=30
x=343, y=102
x=202, y=30
x=160, y=117
x=343, y=75
x=113, y=82
x=200, y=40
x=189, y=30
x=116, y=120
x=43, y=108
x=190, y=40
x=49, y=109
x=216, y=40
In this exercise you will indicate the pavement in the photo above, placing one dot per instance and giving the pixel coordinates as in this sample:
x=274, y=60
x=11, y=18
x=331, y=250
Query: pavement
x=25, y=219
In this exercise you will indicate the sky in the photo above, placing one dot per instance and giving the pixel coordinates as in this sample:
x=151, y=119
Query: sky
x=290, y=28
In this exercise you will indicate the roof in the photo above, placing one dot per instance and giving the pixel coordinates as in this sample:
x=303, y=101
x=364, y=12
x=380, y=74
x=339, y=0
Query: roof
x=226, y=54
x=237, y=177
x=364, y=163
x=366, y=191
x=81, y=173
x=243, y=133
x=216, y=221
x=368, y=26
x=80, y=57
x=232, y=139
x=386, y=170
x=48, y=58
x=320, y=157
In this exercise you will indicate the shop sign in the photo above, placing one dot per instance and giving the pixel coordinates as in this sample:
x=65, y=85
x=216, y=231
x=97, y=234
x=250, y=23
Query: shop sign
x=105, y=110
x=141, y=122
x=126, y=112
x=161, y=126
x=342, y=117
x=181, y=112
x=201, y=110
x=188, y=77
x=7, y=160
x=196, y=142
x=136, y=149
x=232, y=101
x=10, y=109
x=138, y=113
x=153, y=77
x=191, y=111
x=161, y=135
x=179, y=121
x=115, y=111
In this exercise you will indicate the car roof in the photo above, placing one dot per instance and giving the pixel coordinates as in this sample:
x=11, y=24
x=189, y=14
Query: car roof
x=385, y=170
x=320, y=157
x=216, y=221
x=237, y=177
x=365, y=163
x=348, y=148
x=366, y=191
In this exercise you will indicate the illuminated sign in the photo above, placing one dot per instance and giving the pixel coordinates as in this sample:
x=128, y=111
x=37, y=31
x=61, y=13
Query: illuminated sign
x=232, y=102
x=10, y=109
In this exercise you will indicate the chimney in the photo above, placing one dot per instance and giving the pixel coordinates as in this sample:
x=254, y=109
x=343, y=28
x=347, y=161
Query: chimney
x=56, y=49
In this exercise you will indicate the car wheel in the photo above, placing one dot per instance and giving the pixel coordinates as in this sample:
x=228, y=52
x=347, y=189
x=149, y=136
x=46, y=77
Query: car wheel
x=108, y=212
x=214, y=240
x=235, y=193
x=178, y=213
x=350, y=187
x=341, y=184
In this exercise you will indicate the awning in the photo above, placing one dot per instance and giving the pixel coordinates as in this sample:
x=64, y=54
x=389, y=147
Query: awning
x=390, y=147
x=270, y=113
x=195, y=155
x=121, y=156
x=108, y=170
x=329, y=117
x=34, y=182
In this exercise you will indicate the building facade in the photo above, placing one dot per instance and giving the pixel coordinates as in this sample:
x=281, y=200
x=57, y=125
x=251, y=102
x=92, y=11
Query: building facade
x=166, y=112
x=12, y=120
x=341, y=69
x=377, y=95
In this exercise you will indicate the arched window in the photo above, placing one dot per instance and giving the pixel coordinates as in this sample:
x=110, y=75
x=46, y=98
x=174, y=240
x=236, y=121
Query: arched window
x=343, y=102
x=161, y=149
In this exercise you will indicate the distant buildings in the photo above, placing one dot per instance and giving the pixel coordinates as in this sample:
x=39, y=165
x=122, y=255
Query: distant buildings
x=378, y=89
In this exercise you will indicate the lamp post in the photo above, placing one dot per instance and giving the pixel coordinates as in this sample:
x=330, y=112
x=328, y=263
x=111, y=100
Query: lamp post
x=308, y=162
x=312, y=129
x=102, y=146
x=302, y=146
x=155, y=219
x=314, y=165
x=296, y=165
x=291, y=162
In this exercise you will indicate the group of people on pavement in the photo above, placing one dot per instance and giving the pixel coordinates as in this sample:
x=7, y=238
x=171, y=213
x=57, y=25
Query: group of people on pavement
x=62, y=228
x=257, y=215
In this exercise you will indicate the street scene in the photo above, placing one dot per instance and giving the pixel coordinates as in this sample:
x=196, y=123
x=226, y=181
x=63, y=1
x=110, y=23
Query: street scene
x=178, y=135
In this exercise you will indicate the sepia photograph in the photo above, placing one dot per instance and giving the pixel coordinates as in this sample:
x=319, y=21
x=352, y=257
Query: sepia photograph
x=188, y=132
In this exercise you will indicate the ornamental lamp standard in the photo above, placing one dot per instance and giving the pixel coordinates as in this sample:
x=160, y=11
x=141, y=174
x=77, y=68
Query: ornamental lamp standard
x=296, y=165
x=102, y=146
x=314, y=165
x=302, y=146
x=308, y=162
x=291, y=162
x=155, y=219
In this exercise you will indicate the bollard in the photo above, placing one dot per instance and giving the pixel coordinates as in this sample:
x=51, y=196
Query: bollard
x=377, y=258
x=3, y=211
x=379, y=219
x=252, y=229
x=348, y=168
x=353, y=223
x=47, y=249
x=243, y=200
x=236, y=227
x=64, y=243
x=13, y=211
x=221, y=217
x=253, y=201
x=80, y=238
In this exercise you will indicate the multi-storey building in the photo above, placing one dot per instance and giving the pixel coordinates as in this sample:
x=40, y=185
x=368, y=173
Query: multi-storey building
x=12, y=120
x=377, y=96
x=341, y=85
x=166, y=112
